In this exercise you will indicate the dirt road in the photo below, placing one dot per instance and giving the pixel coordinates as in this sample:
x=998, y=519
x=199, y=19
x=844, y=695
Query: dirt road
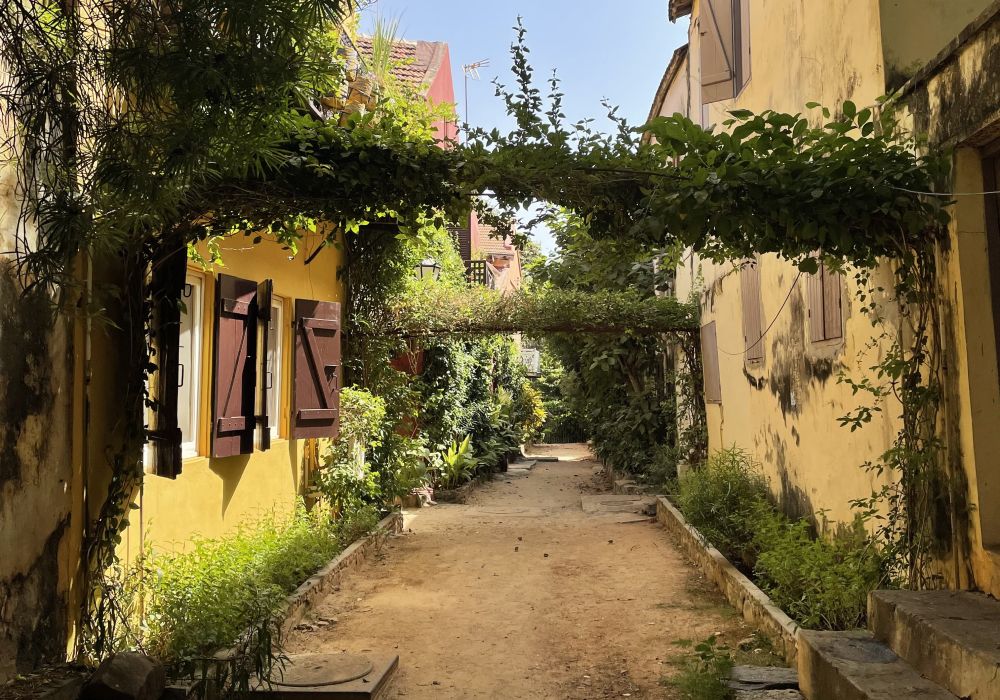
x=520, y=594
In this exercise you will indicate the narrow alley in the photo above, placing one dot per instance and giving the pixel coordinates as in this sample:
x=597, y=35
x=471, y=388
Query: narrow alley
x=520, y=594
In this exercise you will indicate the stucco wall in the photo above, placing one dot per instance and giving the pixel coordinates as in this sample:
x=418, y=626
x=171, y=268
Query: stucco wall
x=915, y=31
x=37, y=556
x=784, y=410
x=956, y=102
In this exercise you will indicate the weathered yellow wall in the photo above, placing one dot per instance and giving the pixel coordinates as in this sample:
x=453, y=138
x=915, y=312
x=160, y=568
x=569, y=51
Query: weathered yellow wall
x=958, y=106
x=213, y=496
x=39, y=535
x=785, y=410
x=915, y=31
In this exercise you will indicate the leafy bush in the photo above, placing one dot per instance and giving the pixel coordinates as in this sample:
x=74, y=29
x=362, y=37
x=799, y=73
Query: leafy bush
x=821, y=583
x=529, y=412
x=345, y=478
x=458, y=464
x=724, y=500
x=206, y=598
x=704, y=673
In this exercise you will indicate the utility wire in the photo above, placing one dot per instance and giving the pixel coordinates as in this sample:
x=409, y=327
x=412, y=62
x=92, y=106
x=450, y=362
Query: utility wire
x=945, y=194
x=783, y=304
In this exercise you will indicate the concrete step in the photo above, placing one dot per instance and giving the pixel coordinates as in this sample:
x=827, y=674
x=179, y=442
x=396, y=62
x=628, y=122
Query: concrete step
x=854, y=666
x=951, y=637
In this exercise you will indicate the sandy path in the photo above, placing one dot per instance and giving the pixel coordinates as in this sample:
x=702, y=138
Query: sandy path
x=475, y=609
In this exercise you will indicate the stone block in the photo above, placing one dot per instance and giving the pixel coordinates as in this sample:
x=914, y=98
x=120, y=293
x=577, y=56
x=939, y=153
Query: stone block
x=854, y=666
x=951, y=637
x=126, y=676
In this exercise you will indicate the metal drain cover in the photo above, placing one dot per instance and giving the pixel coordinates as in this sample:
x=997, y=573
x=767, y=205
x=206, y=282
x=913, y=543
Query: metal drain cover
x=316, y=670
x=330, y=677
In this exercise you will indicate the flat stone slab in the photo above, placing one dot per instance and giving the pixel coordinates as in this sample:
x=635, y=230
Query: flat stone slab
x=854, y=666
x=334, y=676
x=614, y=503
x=952, y=637
x=763, y=678
x=524, y=464
x=768, y=695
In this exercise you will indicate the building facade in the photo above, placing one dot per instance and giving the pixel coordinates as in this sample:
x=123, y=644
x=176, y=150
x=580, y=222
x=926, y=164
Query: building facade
x=777, y=342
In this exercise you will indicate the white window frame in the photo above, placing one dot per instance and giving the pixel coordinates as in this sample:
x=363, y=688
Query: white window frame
x=194, y=303
x=275, y=365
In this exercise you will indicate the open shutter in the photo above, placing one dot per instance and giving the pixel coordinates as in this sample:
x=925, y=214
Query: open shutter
x=166, y=286
x=718, y=67
x=316, y=393
x=235, y=376
x=832, y=315
x=752, y=325
x=264, y=293
x=742, y=52
x=710, y=363
x=814, y=292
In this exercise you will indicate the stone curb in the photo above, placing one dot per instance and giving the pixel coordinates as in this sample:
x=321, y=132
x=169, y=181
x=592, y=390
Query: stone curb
x=751, y=602
x=303, y=599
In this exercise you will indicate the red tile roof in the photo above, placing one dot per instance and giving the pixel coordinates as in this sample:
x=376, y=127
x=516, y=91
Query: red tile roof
x=492, y=246
x=415, y=62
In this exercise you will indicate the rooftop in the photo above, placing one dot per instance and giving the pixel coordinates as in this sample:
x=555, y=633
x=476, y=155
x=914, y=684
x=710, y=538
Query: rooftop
x=415, y=62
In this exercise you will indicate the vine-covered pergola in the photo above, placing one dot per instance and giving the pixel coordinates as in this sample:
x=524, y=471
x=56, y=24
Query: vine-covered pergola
x=435, y=311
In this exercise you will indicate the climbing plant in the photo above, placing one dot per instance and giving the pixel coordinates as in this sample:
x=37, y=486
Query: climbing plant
x=822, y=188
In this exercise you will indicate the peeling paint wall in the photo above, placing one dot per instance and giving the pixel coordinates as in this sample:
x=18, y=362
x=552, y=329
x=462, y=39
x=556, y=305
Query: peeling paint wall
x=957, y=104
x=784, y=410
x=915, y=31
x=37, y=558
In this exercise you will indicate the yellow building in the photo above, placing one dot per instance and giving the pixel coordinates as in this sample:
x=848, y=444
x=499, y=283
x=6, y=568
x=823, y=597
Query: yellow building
x=230, y=378
x=775, y=342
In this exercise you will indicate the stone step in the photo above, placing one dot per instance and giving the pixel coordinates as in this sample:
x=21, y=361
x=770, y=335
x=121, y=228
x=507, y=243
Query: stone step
x=854, y=666
x=951, y=637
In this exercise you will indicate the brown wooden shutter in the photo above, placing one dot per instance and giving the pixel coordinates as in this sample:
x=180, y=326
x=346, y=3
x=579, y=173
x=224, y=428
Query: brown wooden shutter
x=814, y=292
x=832, y=314
x=264, y=293
x=710, y=363
x=742, y=52
x=316, y=391
x=166, y=286
x=752, y=321
x=718, y=68
x=235, y=375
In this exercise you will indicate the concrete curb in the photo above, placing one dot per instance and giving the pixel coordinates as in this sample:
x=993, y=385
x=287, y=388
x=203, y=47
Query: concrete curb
x=751, y=602
x=303, y=599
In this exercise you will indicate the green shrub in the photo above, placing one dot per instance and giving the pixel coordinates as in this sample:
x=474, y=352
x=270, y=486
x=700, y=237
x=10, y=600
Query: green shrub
x=345, y=478
x=529, y=412
x=458, y=464
x=724, y=499
x=207, y=597
x=820, y=583
x=703, y=675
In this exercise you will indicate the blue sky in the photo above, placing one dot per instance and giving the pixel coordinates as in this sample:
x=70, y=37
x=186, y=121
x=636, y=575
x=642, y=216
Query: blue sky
x=614, y=50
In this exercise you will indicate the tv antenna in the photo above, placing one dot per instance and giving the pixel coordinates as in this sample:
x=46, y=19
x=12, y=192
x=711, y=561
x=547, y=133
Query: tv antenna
x=471, y=70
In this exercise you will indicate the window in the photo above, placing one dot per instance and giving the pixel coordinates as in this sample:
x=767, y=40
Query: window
x=189, y=364
x=710, y=363
x=752, y=321
x=275, y=362
x=724, y=26
x=825, y=313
